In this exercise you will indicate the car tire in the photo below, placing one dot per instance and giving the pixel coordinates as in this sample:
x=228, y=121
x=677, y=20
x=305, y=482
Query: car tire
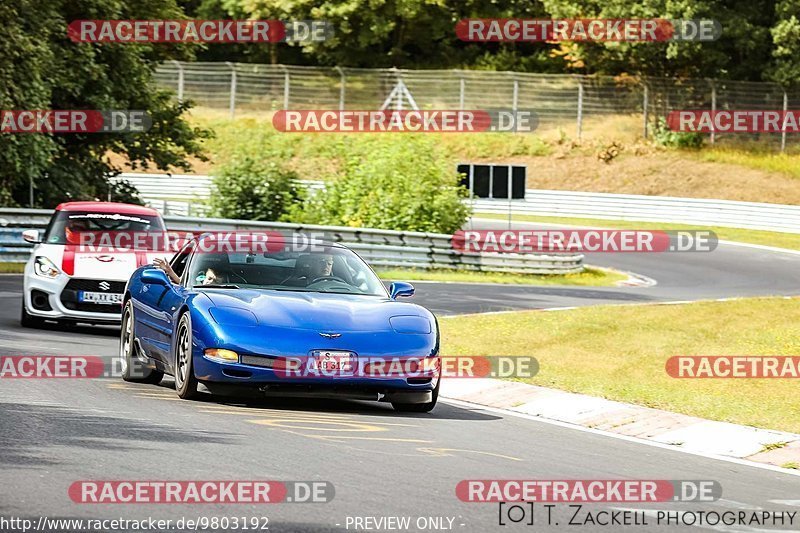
x=185, y=381
x=26, y=320
x=419, y=407
x=132, y=369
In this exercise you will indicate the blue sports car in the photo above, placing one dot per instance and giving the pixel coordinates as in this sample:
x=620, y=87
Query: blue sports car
x=305, y=323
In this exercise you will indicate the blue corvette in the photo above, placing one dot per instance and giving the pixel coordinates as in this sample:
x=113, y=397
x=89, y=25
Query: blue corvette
x=285, y=323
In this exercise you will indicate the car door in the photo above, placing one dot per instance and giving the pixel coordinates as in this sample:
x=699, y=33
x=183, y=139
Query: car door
x=156, y=307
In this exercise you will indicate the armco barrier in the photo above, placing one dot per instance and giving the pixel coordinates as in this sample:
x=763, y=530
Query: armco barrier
x=691, y=211
x=162, y=192
x=380, y=248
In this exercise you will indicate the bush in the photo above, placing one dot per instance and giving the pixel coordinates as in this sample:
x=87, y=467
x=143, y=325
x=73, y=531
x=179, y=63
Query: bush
x=676, y=139
x=251, y=189
x=406, y=185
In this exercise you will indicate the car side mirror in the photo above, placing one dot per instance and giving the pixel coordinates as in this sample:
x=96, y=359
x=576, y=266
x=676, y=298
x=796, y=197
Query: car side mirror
x=400, y=289
x=31, y=236
x=154, y=276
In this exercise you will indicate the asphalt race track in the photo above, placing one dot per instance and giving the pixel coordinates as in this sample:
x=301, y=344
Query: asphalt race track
x=55, y=432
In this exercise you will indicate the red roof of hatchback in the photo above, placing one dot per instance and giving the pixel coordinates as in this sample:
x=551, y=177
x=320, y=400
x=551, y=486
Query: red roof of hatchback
x=107, y=207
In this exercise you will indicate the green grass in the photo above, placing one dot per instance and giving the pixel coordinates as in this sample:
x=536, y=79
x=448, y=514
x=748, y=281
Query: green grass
x=12, y=268
x=756, y=157
x=765, y=238
x=590, y=277
x=619, y=352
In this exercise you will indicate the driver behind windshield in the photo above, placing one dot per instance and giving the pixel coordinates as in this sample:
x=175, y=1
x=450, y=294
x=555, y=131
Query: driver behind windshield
x=308, y=268
x=321, y=266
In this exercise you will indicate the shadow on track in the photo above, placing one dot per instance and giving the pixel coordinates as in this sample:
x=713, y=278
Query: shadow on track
x=356, y=407
x=27, y=431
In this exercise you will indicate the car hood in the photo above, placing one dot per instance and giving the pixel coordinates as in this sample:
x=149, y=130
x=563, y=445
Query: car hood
x=316, y=311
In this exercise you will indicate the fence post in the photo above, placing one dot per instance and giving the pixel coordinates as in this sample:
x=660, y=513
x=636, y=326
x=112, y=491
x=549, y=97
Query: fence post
x=515, y=99
x=713, y=110
x=341, y=88
x=461, y=87
x=580, y=107
x=783, y=122
x=232, y=103
x=180, y=80
x=285, y=87
x=645, y=104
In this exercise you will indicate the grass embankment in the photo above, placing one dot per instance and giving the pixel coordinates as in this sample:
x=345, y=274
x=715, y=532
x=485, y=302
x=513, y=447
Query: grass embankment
x=619, y=353
x=590, y=277
x=556, y=160
x=12, y=268
x=764, y=238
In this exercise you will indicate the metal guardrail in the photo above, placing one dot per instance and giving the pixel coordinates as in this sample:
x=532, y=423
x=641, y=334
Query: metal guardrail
x=159, y=190
x=690, y=211
x=380, y=248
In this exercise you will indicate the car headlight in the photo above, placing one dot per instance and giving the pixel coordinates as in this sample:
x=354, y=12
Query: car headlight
x=221, y=355
x=42, y=266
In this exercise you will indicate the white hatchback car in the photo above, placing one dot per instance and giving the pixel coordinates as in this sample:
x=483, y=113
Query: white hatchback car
x=68, y=281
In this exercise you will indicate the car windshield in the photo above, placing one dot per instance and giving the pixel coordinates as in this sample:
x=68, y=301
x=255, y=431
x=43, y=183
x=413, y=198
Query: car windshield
x=66, y=227
x=327, y=269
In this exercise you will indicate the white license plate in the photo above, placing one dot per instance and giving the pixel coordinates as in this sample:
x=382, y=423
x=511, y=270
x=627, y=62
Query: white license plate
x=334, y=362
x=99, y=297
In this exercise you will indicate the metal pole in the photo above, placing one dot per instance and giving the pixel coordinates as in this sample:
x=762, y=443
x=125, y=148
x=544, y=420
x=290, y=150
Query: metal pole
x=341, y=88
x=514, y=99
x=713, y=110
x=180, y=80
x=285, y=88
x=471, y=189
x=30, y=191
x=232, y=103
x=510, y=182
x=580, y=108
x=645, y=104
x=783, y=122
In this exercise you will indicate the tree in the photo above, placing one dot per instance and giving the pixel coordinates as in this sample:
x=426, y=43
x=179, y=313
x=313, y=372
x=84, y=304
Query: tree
x=407, y=186
x=740, y=53
x=389, y=33
x=786, y=40
x=253, y=189
x=40, y=68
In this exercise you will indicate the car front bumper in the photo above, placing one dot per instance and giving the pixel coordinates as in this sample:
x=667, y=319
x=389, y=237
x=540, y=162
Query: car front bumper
x=53, y=289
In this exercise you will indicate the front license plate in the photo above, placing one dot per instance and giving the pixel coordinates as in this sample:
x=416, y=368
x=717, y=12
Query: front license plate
x=332, y=362
x=99, y=297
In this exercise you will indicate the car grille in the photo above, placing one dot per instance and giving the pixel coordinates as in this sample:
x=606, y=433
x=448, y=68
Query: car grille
x=265, y=362
x=69, y=296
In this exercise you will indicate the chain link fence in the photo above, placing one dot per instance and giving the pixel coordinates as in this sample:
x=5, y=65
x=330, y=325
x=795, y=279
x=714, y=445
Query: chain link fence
x=572, y=104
